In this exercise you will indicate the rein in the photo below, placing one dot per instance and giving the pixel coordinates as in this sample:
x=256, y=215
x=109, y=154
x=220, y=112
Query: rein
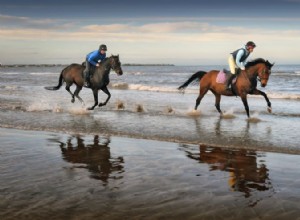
x=261, y=78
x=109, y=65
x=257, y=77
x=246, y=75
x=106, y=64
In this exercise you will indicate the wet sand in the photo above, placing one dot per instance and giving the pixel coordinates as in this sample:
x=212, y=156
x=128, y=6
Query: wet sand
x=47, y=175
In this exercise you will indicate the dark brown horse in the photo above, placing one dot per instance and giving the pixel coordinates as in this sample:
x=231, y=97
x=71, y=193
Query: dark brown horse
x=245, y=84
x=96, y=158
x=73, y=74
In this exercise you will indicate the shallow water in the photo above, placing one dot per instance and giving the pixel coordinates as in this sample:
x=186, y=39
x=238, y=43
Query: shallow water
x=146, y=104
x=59, y=176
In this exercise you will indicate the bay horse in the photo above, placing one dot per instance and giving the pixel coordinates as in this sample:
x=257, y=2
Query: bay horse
x=73, y=74
x=246, y=83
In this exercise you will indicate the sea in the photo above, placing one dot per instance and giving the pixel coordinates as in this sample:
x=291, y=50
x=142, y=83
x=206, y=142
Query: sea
x=146, y=103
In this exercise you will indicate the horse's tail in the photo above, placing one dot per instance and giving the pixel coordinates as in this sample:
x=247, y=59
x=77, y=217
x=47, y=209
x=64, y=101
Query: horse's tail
x=196, y=76
x=60, y=82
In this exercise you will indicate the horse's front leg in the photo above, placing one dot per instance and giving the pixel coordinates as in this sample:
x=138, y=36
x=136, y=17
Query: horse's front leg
x=258, y=92
x=95, y=92
x=105, y=90
x=244, y=100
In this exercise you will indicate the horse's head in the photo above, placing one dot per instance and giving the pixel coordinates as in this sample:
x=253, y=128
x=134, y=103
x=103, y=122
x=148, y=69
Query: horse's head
x=263, y=70
x=116, y=64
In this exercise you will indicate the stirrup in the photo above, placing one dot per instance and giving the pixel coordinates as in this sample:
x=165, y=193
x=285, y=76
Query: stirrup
x=87, y=84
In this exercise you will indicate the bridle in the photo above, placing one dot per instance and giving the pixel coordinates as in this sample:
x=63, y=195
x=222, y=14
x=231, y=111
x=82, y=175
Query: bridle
x=263, y=73
x=113, y=64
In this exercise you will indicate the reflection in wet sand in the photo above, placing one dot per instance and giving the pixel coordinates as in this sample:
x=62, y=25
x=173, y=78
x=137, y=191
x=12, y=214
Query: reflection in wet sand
x=55, y=176
x=246, y=174
x=96, y=157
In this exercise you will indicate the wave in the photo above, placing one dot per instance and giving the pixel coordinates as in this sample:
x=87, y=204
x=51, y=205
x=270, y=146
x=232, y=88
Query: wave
x=274, y=95
x=291, y=73
x=10, y=87
x=32, y=73
x=141, y=87
x=10, y=73
x=44, y=73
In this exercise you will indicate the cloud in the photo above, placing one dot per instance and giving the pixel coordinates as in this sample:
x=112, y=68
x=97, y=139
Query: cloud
x=191, y=31
x=205, y=39
x=13, y=22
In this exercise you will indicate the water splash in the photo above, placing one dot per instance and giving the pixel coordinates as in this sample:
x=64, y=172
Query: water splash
x=193, y=112
x=79, y=111
x=169, y=110
x=43, y=106
x=228, y=114
x=120, y=105
x=139, y=108
x=254, y=118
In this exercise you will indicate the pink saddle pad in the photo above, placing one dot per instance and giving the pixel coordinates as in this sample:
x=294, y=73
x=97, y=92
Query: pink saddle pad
x=221, y=77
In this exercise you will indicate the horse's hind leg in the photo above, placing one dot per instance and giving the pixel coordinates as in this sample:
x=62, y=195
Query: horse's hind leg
x=68, y=89
x=203, y=91
x=105, y=90
x=217, y=103
x=76, y=94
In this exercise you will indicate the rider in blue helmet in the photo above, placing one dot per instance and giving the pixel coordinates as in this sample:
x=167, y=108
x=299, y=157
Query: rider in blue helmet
x=93, y=58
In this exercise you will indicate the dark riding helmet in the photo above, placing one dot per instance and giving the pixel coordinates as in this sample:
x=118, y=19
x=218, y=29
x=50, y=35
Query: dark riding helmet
x=103, y=47
x=251, y=44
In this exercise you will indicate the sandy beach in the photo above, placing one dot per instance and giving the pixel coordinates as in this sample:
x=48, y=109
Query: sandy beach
x=47, y=175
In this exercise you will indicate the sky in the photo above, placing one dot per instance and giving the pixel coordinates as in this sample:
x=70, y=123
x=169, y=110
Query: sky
x=185, y=32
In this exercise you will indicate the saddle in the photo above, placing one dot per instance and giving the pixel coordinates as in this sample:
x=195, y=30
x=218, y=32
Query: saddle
x=91, y=70
x=224, y=75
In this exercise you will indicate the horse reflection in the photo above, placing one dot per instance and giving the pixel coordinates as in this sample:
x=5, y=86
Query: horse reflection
x=96, y=156
x=245, y=173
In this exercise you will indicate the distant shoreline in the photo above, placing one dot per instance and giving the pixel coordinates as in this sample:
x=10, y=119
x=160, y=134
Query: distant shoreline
x=136, y=64
x=52, y=65
x=33, y=65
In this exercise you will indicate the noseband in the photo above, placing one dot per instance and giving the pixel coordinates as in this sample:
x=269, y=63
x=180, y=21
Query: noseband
x=262, y=78
x=112, y=66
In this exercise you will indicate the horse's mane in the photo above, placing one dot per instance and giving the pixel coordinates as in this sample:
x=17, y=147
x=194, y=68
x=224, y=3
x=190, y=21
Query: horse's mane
x=103, y=62
x=258, y=61
x=254, y=62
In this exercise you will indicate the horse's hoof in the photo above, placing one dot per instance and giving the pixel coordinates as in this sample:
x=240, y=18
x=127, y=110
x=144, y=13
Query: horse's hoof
x=90, y=108
x=101, y=104
x=269, y=109
x=73, y=100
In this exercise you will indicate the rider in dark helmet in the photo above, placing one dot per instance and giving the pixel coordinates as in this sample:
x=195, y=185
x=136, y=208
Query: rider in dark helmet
x=238, y=59
x=93, y=58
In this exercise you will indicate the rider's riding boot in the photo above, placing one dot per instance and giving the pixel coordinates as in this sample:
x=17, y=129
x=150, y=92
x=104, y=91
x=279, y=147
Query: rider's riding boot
x=229, y=81
x=87, y=82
